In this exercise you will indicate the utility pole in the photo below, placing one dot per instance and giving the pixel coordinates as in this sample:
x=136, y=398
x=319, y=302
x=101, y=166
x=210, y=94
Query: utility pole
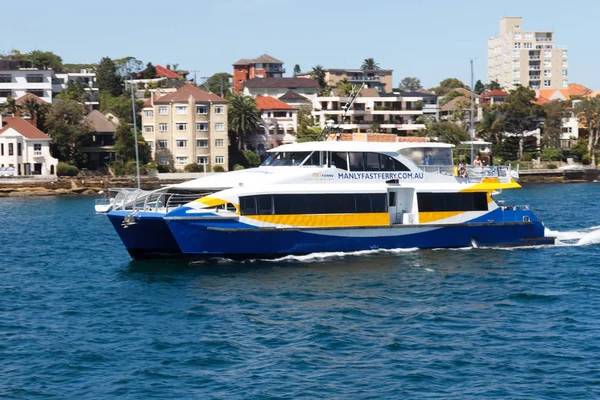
x=472, y=128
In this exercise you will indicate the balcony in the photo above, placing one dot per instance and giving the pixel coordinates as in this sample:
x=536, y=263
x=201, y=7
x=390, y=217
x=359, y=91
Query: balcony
x=534, y=57
x=534, y=77
x=279, y=69
x=363, y=78
x=543, y=39
x=534, y=67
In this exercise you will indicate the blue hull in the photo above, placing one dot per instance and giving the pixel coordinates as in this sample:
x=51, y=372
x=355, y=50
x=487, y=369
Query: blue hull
x=212, y=239
x=149, y=237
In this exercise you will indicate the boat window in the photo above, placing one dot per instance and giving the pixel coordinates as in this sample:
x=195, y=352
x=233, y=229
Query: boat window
x=314, y=160
x=372, y=162
x=432, y=202
x=369, y=161
x=392, y=199
x=356, y=161
x=437, y=155
x=339, y=160
x=347, y=203
x=285, y=159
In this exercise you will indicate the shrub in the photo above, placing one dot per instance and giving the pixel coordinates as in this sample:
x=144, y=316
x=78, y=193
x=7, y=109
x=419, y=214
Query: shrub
x=194, y=168
x=163, y=169
x=551, y=154
x=218, y=168
x=552, y=166
x=64, y=169
x=237, y=167
x=252, y=159
x=527, y=156
x=586, y=159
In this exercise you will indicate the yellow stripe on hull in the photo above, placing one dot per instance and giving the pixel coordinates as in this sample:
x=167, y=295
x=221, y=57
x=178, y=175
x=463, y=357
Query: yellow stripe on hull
x=325, y=220
x=434, y=216
x=491, y=184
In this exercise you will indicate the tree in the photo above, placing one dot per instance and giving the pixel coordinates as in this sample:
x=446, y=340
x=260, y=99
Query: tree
x=149, y=72
x=218, y=83
x=10, y=106
x=493, y=85
x=588, y=111
x=46, y=60
x=447, y=85
x=107, y=77
x=67, y=128
x=444, y=131
x=410, y=84
x=127, y=66
x=552, y=127
x=318, y=74
x=479, y=87
x=243, y=116
x=121, y=105
x=369, y=64
x=307, y=126
x=74, y=91
x=345, y=86
x=297, y=70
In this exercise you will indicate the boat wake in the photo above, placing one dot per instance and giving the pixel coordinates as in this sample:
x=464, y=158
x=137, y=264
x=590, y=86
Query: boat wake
x=584, y=237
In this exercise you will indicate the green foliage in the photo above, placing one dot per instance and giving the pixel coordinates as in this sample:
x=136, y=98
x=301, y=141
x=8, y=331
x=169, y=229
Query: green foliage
x=588, y=112
x=493, y=85
x=125, y=145
x=67, y=128
x=479, y=87
x=307, y=126
x=450, y=96
x=218, y=168
x=10, y=106
x=149, y=72
x=552, y=127
x=218, y=84
x=369, y=64
x=238, y=167
x=74, y=91
x=551, y=154
x=244, y=117
x=127, y=66
x=297, y=70
x=120, y=105
x=444, y=131
x=163, y=169
x=107, y=77
x=447, y=85
x=194, y=168
x=552, y=166
x=252, y=159
x=64, y=169
x=79, y=67
x=318, y=74
x=46, y=60
x=410, y=84
x=580, y=151
x=528, y=156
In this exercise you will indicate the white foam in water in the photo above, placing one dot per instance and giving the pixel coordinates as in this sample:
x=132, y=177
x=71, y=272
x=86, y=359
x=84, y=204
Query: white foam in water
x=582, y=237
x=338, y=254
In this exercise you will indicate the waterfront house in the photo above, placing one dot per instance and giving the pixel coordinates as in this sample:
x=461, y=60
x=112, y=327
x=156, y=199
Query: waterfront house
x=279, y=125
x=99, y=144
x=24, y=149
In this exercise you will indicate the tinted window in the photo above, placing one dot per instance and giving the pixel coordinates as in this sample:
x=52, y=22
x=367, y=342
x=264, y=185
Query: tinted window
x=265, y=205
x=313, y=204
x=248, y=205
x=339, y=160
x=391, y=164
x=356, y=161
x=429, y=202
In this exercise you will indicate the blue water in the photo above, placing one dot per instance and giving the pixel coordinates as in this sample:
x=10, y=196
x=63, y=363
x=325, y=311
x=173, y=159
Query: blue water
x=78, y=319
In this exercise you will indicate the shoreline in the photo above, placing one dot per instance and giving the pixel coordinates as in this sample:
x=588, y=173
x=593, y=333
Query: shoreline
x=92, y=185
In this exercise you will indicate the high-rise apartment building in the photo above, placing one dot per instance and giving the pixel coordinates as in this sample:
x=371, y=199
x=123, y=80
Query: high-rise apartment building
x=518, y=57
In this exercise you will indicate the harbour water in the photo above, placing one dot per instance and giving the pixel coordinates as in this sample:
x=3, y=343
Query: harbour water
x=78, y=319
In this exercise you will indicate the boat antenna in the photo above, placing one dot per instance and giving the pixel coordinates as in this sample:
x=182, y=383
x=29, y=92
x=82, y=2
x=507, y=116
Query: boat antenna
x=329, y=127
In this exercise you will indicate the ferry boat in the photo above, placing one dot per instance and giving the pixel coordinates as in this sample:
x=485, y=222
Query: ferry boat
x=328, y=196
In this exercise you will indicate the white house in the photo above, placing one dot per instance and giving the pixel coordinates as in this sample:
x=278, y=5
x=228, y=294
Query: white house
x=279, y=125
x=24, y=149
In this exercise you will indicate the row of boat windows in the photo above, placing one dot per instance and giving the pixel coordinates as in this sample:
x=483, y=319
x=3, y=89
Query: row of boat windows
x=278, y=204
x=349, y=161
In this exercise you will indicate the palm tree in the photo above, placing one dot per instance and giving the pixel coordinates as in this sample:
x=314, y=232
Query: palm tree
x=243, y=116
x=318, y=74
x=369, y=64
x=11, y=106
x=296, y=70
x=31, y=106
x=43, y=109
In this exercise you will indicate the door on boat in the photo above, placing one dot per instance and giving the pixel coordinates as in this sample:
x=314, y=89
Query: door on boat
x=401, y=205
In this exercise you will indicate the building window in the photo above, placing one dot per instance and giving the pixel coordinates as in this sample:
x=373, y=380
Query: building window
x=37, y=149
x=148, y=128
x=517, y=45
x=565, y=83
x=527, y=45
x=5, y=78
x=150, y=144
x=162, y=144
x=516, y=53
x=547, y=82
x=181, y=110
x=548, y=53
x=548, y=73
x=219, y=109
x=258, y=66
x=565, y=73
x=19, y=149
x=181, y=126
x=528, y=35
x=163, y=127
x=219, y=142
x=163, y=160
x=515, y=83
x=219, y=126
x=202, y=160
x=201, y=142
x=181, y=160
x=163, y=111
x=201, y=110
x=35, y=78
x=181, y=143
x=516, y=63
x=565, y=63
x=517, y=26
x=516, y=72
x=11, y=149
x=148, y=113
x=547, y=63
x=517, y=35
x=201, y=126
x=564, y=53
x=219, y=160
x=5, y=93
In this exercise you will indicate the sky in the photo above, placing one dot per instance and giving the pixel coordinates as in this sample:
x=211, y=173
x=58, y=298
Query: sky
x=427, y=39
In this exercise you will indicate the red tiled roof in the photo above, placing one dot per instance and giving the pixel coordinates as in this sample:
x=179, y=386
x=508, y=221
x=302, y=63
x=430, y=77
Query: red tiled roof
x=166, y=73
x=542, y=100
x=575, y=89
x=495, y=93
x=183, y=94
x=21, y=100
x=23, y=127
x=271, y=103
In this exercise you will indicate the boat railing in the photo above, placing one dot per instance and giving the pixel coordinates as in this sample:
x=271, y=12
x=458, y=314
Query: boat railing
x=476, y=174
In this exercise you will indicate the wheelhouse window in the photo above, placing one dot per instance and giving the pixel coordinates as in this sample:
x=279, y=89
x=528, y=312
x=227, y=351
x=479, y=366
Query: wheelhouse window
x=369, y=161
x=282, y=204
x=437, y=202
x=437, y=155
x=286, y=159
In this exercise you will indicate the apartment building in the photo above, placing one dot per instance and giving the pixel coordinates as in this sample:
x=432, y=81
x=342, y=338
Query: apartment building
x=19, y=77
x=264, y=66
x=378, y=79
x=188, y=126
x=526, y=58
x=402, y=114
x=279, y=124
